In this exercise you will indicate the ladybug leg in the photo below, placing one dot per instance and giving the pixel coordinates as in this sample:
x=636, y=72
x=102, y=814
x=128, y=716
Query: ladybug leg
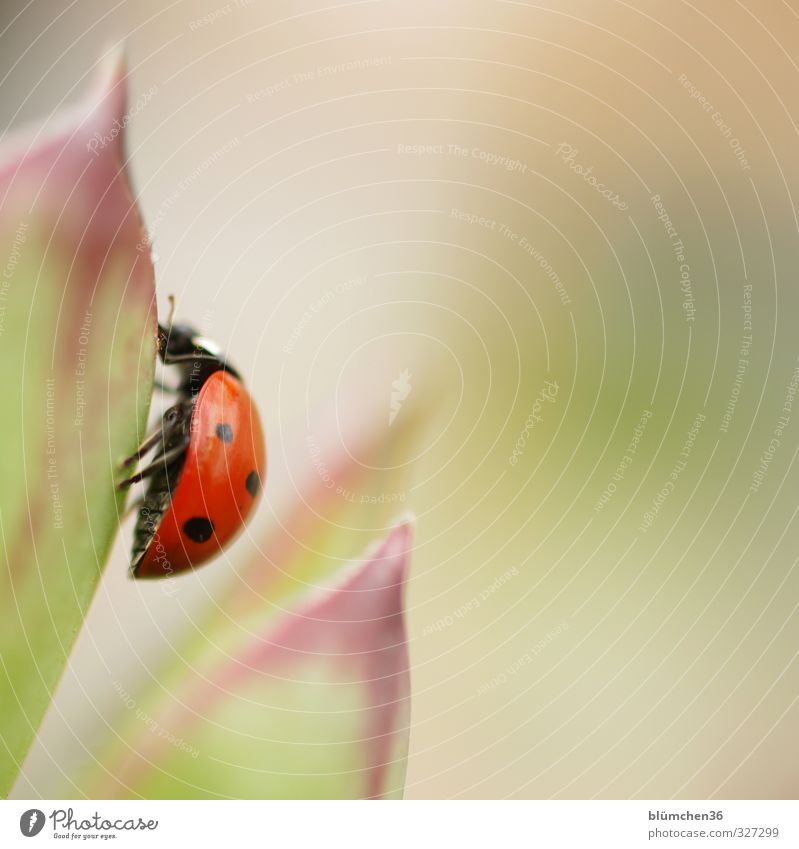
x=156, y=466
x=172, y=418
x=152, y=440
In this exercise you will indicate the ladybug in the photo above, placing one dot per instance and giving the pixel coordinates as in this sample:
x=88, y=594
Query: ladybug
x=209, y=464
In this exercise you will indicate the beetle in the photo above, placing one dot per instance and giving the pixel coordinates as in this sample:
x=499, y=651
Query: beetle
x=209, y=462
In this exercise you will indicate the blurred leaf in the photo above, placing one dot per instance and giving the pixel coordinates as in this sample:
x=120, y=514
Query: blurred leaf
x=317, y=706
x=77, y=343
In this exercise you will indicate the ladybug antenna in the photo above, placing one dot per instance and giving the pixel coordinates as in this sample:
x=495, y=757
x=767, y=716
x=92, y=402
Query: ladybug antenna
x=165, y=331
x=171, y=300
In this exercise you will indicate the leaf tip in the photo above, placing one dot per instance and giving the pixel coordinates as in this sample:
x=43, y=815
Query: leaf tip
x=386, y=560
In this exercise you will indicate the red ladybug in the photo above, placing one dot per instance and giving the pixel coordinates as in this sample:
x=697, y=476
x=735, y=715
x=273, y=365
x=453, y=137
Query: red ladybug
x=209, y=465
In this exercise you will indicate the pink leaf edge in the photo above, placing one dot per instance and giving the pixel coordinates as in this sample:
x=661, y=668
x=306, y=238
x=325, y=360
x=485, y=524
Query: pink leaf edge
x=360, y=624
x=72, y=177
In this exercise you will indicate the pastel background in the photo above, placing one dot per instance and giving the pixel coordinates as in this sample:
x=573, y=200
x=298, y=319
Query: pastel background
x=574, y=226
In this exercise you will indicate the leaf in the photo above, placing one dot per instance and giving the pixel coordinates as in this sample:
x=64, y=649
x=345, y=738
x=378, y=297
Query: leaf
x=77, y=342
x=315, y=707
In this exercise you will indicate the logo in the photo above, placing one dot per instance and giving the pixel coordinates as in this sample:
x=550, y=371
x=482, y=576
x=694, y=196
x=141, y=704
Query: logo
x=31, y=822
x=401, y=389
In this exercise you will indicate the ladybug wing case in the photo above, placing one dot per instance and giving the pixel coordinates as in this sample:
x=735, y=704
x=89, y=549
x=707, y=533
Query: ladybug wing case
x=198, y=505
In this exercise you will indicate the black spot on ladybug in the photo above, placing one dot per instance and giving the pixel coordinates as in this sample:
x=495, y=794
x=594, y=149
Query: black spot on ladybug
x=198, y=529
x=253, y=483
x=224, y=432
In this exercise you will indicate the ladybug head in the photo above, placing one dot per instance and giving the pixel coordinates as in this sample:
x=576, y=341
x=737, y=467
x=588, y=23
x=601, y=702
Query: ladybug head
x=177, y=340
x=198, y=357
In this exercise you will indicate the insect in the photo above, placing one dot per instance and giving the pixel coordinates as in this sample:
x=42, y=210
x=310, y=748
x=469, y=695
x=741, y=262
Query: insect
x=209, y=461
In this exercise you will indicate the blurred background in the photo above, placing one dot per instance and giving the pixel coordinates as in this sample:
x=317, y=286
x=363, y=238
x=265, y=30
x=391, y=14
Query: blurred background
x=544, y=255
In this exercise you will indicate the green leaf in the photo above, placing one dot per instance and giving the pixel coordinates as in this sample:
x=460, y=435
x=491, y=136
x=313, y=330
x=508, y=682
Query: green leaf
x=316, y=705
x=77, y=343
